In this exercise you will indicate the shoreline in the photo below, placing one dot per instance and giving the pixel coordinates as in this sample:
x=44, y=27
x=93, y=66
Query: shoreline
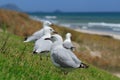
x=107, y=34
x=94, y=32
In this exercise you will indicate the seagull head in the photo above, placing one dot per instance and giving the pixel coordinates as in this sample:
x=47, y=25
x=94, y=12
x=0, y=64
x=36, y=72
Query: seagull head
x=47, y=23
x=56, y=38
x=68, y=35
x=49, y=30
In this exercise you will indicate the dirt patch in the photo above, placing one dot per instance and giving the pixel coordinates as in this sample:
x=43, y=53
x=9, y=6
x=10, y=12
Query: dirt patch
x=117, y=74
x=1, y=30
x=94, y=53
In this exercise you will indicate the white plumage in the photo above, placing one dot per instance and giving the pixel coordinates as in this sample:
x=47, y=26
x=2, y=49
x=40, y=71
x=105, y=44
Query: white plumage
x=63, y=57
x=68, y=43
x=42, y=44
x=60, y=52
x=38, y=34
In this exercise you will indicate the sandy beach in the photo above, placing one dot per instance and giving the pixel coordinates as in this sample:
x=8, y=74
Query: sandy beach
x=117, y=74
x=115, y=36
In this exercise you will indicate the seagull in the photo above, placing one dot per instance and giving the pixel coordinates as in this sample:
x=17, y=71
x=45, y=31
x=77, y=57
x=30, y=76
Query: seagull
x=67, y=42
x=35, y=36
x=43, y=44
x=62, y=57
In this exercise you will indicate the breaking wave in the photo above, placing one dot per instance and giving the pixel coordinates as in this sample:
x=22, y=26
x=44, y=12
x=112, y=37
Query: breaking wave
x=103, y=24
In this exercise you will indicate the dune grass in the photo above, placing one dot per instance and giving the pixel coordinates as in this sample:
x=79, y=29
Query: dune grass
x=20, y=24
x=18, y=63
x=107, y=47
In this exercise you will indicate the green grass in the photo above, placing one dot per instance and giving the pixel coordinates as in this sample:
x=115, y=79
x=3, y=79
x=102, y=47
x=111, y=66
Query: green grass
x=18, y=63
x=109, y=49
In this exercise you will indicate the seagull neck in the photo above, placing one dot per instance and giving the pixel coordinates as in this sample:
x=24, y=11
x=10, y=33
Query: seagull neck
x=47, y=35
x=68, y=39
x=45, y=26
x=56, y=44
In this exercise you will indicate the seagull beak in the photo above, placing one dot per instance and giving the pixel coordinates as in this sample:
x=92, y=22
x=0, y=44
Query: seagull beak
x=47, y=38
x=55, y=32
x=52, y=24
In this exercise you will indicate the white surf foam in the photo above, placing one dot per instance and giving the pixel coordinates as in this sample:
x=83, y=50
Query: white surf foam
x=36, y=18
x=103, y=24
x=50, y=17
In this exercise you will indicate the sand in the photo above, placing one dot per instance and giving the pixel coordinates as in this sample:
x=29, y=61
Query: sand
x=115, y=36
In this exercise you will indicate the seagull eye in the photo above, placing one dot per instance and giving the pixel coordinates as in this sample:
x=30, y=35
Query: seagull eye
x=52, y=37
x=51, y=30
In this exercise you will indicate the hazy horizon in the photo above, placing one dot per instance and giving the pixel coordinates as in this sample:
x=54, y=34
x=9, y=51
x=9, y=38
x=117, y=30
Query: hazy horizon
x=66, y=5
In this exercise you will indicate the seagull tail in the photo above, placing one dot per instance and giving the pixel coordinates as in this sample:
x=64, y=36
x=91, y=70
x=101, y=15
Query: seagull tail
x=83, y=65
x=34, y=52
x=25, y=38
x=73, y=48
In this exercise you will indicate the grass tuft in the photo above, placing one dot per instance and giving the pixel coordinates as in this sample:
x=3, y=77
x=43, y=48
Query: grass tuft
x=19, y=63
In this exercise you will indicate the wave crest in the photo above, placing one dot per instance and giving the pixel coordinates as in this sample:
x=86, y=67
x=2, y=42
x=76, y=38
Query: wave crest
x=103, y=24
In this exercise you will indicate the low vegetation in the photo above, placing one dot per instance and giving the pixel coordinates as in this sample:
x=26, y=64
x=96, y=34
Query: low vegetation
x=101, y=51
x=18, y=63
x=18, y=23
x=106, y=49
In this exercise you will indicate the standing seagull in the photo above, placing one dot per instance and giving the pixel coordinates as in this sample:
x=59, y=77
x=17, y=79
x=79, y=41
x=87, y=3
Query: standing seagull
x=40, y=33
x=67, y=42
x=43, y=45
x=63, y=57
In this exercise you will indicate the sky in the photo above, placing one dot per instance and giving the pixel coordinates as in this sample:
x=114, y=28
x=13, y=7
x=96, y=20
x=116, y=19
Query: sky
x=66, y=5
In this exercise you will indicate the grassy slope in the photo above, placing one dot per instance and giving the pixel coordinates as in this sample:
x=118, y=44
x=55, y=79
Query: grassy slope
x=108, y=48
x=17, y=62
x=18, y=23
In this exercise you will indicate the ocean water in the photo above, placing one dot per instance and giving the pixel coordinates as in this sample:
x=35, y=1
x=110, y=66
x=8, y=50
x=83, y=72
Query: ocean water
x=103, y=22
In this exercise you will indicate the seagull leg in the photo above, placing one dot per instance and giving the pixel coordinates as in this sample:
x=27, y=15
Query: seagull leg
x=40, y=57
x=47, y=55
x=65, y=72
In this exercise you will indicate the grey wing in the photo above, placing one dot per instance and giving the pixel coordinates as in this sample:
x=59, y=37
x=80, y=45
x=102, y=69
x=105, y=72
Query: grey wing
x=68, y=45
x=43, y=45
x=35, y=36
x=74, y=57
x=38, y=34
x=31, y=38
x=61, y=57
